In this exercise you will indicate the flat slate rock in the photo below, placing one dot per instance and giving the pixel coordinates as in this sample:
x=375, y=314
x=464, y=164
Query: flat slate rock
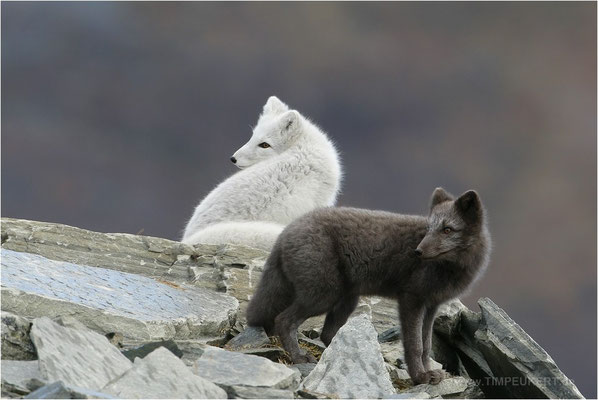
x=143, y=255
x=141, y=308
x=250, y=338
x=352, y=366
x=511, y=352
x=228, y=368
x=162, y=375
x=390, y=334
x=58, y=390
x=81, y=358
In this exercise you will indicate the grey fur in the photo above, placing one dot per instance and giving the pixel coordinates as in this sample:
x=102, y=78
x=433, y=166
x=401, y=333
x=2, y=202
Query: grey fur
x=323, y=261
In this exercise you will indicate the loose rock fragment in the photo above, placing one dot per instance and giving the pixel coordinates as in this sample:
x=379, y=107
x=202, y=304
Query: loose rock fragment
x=77, y=357
x=250, y=338
x=227, y=368
x=161, y=374
x=352, y=366
x=390, y=334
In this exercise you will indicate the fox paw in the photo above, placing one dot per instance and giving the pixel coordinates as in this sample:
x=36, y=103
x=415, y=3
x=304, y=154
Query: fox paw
x=432, y=377
x=304, y=358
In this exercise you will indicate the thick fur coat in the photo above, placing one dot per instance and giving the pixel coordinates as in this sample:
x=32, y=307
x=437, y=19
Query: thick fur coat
x=325, y=260
x=288, y=167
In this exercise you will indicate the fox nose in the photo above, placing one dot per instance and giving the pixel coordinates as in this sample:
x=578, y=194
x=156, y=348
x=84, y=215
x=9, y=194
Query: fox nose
x=418, y=252
x=234, y=160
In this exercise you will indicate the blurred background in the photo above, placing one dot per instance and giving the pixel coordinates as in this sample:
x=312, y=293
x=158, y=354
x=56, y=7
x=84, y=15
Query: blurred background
x=119, y=117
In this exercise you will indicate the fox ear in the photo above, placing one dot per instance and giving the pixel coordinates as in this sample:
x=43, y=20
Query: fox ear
x=289, y=122
x=469, y=204
x=440, y=196
x=275, y=106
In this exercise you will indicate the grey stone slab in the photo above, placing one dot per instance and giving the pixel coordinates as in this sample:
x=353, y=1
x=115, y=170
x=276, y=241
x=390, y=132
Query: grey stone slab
x=16, y=344
x=102, y=299
x=81, y=358
x=250, y=338
x=21, y=376
x=162, y=375
x=228, y=368
x=448, y=386
x=448, y=317
x=352, y=366
x=58, y=390
x=390, y=335
x=516, y=360
x=143, y=255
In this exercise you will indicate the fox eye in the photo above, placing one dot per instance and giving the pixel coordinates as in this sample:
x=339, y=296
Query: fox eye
x=264, y=145
x=447, y=230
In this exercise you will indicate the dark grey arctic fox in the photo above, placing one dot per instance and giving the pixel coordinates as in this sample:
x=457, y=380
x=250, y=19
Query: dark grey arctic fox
x=323, y=261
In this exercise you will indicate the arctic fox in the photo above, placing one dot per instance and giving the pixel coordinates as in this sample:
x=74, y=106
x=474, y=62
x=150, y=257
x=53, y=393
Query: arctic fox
x=323, y=261
x=288, y=167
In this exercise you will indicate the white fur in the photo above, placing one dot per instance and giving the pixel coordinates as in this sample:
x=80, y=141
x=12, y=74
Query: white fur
x=258, y=234
x=299, y=172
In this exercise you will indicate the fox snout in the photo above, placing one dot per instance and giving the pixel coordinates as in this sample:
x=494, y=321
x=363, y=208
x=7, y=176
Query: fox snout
x=424, y=247
x=430, y=247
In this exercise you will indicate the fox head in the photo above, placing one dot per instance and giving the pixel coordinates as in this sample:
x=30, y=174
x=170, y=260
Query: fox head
x=276, y=130
x=453, y=225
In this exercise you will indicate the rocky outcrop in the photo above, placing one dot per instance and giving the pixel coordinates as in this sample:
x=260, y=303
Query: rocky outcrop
x=98, y=315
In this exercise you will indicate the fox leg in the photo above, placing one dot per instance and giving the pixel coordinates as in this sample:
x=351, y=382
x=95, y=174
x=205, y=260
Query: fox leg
x=286, y=325
x=427, y=330
x=411, y=314
x=414, y=318
x=337, y=317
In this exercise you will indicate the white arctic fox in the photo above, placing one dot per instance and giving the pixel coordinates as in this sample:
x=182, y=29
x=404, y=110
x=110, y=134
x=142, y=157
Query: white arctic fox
x=288, y=168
